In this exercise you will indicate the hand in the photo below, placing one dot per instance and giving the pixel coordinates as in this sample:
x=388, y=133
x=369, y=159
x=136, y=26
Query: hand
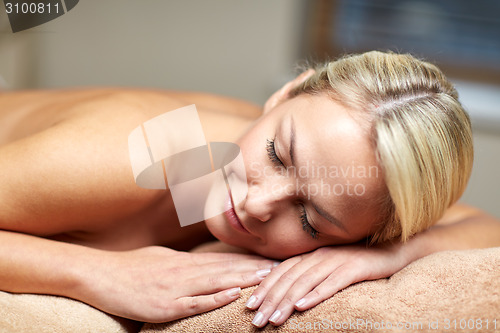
x=157, y=284
x=304, y=281
x=283, y=93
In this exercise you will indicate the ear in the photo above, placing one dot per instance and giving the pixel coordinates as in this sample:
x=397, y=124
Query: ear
x=283, y=94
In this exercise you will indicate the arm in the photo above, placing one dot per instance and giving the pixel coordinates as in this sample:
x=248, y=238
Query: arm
x=75, y=175
x=302, y=282
x=462, y=227
x=152, y=284
x=54, y=182
x=30, y=264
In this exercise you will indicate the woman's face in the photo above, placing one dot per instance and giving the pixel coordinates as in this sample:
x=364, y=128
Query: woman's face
x=313, y=181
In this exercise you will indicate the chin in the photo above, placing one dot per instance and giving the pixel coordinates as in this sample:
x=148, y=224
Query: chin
x=219, y=229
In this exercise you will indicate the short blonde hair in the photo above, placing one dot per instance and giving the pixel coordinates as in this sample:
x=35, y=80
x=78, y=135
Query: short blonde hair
x=420, y=132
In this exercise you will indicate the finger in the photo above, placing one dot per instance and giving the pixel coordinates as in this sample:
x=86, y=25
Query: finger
x=284, y=297
x=338, y=280
x=309, y=284
x=304, y=76
x=232, y=266
x=313, y=277
x=275, y=297
x=282, y=94
x=278, y=97
x=267, y=284
x=208, y=257
x=188, y=306
x=207, y=284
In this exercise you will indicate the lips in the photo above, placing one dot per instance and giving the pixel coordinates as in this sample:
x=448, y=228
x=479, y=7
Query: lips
x=232, y=217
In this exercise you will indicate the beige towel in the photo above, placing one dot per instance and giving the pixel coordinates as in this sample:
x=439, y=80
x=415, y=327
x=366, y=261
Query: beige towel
x=443, y=292
x=25, y=313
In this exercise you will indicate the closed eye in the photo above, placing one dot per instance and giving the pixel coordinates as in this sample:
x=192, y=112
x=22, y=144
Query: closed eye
x=271, y=153
x=306, y=226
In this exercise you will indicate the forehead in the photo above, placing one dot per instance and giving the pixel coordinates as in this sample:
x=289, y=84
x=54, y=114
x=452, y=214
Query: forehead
x=330, y=132
x=334, y=152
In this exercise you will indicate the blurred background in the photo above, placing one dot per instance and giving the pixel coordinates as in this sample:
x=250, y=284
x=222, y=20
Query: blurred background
x=248, y=49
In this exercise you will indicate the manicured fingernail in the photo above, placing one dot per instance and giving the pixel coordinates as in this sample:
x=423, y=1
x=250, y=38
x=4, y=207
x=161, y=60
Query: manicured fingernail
x=233, y=292
x=276, y=315
x=258, y=320
x=251, y=302
x=263, y=273
x=300, y=302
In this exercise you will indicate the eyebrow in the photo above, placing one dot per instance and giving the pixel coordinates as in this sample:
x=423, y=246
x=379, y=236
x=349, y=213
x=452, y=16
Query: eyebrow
x=332, y=219
x=292, y=140
x=327, y=216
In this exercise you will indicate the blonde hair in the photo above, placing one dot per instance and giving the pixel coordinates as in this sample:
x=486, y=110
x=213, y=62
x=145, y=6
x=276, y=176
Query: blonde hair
x=420, y=132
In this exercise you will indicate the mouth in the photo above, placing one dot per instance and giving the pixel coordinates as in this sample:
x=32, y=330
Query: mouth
x=232, y=217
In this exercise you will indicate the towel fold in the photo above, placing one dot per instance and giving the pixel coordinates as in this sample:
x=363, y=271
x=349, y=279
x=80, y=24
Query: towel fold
x=445, y=292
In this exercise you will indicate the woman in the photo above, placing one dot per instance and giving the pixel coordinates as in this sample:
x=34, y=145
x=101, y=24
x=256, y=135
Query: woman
x=81, y=228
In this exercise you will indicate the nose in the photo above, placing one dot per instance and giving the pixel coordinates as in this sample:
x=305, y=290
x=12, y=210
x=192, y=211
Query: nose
x=264, y=200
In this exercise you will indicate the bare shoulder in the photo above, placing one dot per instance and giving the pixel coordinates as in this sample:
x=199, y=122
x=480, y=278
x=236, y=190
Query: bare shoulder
x=460, y=212
x=21, y=108
x=220, y=104
x=64, y=154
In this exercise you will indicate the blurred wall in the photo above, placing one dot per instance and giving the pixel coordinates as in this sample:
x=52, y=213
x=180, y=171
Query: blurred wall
x=483, y=104
x=241, y=48
x=16, y=56
x=483, y=190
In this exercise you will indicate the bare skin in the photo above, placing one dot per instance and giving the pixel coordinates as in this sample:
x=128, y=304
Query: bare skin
x=66, y=181
x=110, y=212
x=67, y=177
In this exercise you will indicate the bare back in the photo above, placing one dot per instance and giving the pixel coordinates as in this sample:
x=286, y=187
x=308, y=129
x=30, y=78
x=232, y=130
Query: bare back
x=66, y=173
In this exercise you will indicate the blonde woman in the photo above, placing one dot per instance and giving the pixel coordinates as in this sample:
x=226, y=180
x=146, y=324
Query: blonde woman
x=385, y=151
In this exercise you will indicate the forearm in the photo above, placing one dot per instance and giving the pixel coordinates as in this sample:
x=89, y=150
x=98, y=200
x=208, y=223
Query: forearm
x=30, y=264
x=459, y=232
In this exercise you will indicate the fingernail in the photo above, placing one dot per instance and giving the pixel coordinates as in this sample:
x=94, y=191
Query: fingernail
x=276, y=315
x=251, y=302
x=276, y=263
x=233, y=292
x=263, y=273
x=258, y=320
x=300, y=302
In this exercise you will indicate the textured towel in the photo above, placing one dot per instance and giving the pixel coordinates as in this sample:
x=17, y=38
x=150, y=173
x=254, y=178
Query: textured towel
x=447, y=290
x=452, y=291
x=25, y=313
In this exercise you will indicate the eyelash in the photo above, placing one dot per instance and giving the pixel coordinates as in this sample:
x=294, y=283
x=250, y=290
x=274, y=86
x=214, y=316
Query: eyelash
x=306, y=226
x=271, y=153
x=273, y=157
